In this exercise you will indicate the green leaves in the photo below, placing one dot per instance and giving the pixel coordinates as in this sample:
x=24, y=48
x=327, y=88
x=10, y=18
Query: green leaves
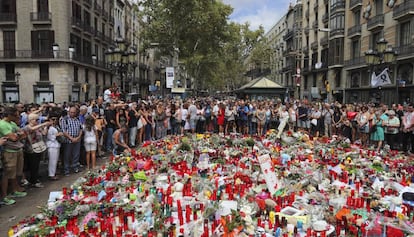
x=212, y=49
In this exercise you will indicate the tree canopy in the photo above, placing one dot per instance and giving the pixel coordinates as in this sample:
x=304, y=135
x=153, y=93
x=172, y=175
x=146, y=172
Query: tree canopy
x=212, y=49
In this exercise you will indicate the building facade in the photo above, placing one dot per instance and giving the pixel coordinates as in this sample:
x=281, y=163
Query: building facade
x=277, y=61
x=367, y=23
x=325, y=50
x=64, y=59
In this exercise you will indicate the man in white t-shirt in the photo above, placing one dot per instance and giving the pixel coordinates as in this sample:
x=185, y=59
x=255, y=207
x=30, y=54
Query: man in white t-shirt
x=107, y=95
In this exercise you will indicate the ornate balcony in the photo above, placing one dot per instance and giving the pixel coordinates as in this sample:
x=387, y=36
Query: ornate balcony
x=8, y=19
x=88, y=2
x=405, y=50
x=355, y=62
x=97, y=7
x=314, y=45
x=41, y=18
x=337, y=33
x=325, y=18
x=289, y=34
x=354, y=4
x=375, y=22
x=324, y=41
x=354, y=31
x=403, y=10
x=77, y=23
x=88, y=29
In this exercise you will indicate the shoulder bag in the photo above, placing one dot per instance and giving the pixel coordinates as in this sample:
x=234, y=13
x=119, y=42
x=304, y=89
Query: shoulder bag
x=37, y=147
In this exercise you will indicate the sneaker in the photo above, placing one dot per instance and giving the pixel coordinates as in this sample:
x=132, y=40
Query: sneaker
x=8, y=201
x=24, y=182
x=18, y=194
x=76, y=170
x=38, y=185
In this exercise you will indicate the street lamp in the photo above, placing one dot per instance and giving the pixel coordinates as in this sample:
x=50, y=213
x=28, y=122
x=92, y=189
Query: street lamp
x=121, y=60
x=382, y=55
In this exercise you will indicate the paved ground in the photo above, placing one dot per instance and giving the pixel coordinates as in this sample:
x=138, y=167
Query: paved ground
x=11, y=215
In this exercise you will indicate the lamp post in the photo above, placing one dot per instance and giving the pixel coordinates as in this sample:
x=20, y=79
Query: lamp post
x=121, y=59
x=376, y=58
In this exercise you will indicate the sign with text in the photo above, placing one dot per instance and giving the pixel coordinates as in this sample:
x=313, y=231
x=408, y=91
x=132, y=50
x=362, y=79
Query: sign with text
x=169, y=75
x=272, y=182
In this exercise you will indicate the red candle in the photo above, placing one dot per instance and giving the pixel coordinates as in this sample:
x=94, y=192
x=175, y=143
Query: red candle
x=188, y=213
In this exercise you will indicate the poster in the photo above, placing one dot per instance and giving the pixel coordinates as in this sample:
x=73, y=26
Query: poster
x=169, y=75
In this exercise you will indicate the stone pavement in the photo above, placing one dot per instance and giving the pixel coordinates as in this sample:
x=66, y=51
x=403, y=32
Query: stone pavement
x=11, y=215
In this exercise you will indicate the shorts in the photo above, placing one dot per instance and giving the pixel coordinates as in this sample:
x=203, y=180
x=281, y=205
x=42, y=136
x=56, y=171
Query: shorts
x=12, y=164
x=303, y=123
x=193, y=123
x=90, y=146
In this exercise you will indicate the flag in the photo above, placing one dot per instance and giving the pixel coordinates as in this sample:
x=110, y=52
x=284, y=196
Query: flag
x=382, y=79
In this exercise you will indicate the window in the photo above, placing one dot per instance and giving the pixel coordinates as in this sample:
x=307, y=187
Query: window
x=405, y=33
x=86, y=76
x=374, y=39
x=379, y=5
x=76, y=11
x=8, y=6
x=42, y=41
x=357, y=17
x=9, y=42
x=336, y=48
x=10, y=74
x=87, y=49
x=43, y=5
x=44, y=71
x=76, y=42
x=75, y=74
x=86, y=18
x=337, y=21
x=355, y=49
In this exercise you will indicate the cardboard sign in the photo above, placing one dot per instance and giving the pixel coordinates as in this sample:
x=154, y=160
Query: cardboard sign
x=272, y=182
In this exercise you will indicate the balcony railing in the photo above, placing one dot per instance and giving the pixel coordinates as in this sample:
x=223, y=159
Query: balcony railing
x=354, y=3
x=288, y=35
x=88, y=2
x=314, y=45
x=325, y=17
x=355, y=61
x=336, y=32
x=354, y=31
x=324, y=41
x=88, y=29
x=405, y=50
x=8, y=18
x=97, y=7
x=404, y=9
x=77, y=23
x=105, y=15
x=339, y=5
x=336, y=61
x=375, y=22
x=48, y=54
x=41, y=17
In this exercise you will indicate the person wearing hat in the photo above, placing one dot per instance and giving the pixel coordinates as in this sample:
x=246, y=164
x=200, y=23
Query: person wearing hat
x=392, y=125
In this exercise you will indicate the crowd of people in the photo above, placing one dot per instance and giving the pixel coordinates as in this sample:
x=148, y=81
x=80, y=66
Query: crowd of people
x=70, y=136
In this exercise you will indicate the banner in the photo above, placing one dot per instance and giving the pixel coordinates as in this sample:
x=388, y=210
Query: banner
x=382, y=79
x=169, y=75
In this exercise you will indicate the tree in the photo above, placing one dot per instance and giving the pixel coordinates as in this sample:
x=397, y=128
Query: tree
x=212, y=49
